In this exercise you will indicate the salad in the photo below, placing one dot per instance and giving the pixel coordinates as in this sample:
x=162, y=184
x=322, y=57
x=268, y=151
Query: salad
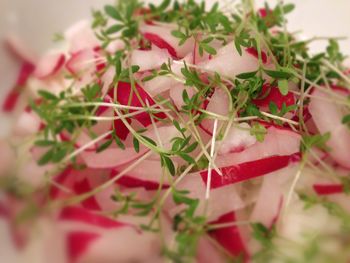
x=178, y=133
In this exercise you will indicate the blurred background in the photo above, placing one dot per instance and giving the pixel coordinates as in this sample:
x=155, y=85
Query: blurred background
x=36, y=21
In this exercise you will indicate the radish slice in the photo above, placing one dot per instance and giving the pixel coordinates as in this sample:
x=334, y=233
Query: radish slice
x=119, y=246
x=238, y=139
x=80, y=36
x=226, y=196
x=339, y=141
x=328, y=189
x=272, y=94
x=176, y=94
x=125, y=91
x=111, y=157
x=147, y=174
x=49, y=65
x=84, y=187
x=81, y=61
x=162, y=38
x=268, y=206
x=249, y=170
x=218, y=104
x=28, y=123
x=277, y=142
x=228, y=62
x=207, y=252
x=149, y=59
x=230, y=237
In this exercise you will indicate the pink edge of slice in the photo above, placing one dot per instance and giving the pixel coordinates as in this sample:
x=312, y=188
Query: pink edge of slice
x=84, y=187
x=161, y=43
x=328, y=189
x=78, y=242
x=11, y=99
x=49, y=65
x=111, y=157
x=89, y=217
x=248, y=170
x=230, y=237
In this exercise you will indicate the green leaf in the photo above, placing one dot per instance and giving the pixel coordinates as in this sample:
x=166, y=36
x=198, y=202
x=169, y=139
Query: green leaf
x=104, y=146
x=238, y=46
x=44, y=143
x=273, y=108
x=135, y=68
x=207, y=40
x=187, y=158
x=191, y=148
x=259, y=131
x=317, y=140
x=46, y=158
x=47, y=95
x=112, y=12
x=114, y=29
x=288, y=8
x=118, y=142
x=59, y=155
x=168, y=163
x=149, y=140
x=178, y=34
x=136, y=144
x=283, y=86
x=246, y=75
x=210, y=50
x=346, y=119
x=164, y=5
x=277, y=74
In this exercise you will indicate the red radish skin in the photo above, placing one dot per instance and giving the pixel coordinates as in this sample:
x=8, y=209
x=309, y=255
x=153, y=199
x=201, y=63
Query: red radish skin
x=249, y=170
x=230, y=237
x=60, y=179
x=132, y=182
x=123, y=94
x=78, y=242
x=252, y=51
x=85, y=216
x=161, y=43
x=328, y=189
x=49, y=65
x=272, y=94
x=12, y=98
x=82, y=188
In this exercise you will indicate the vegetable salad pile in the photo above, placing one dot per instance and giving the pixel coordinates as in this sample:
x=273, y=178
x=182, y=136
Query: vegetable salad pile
x=178, y=133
